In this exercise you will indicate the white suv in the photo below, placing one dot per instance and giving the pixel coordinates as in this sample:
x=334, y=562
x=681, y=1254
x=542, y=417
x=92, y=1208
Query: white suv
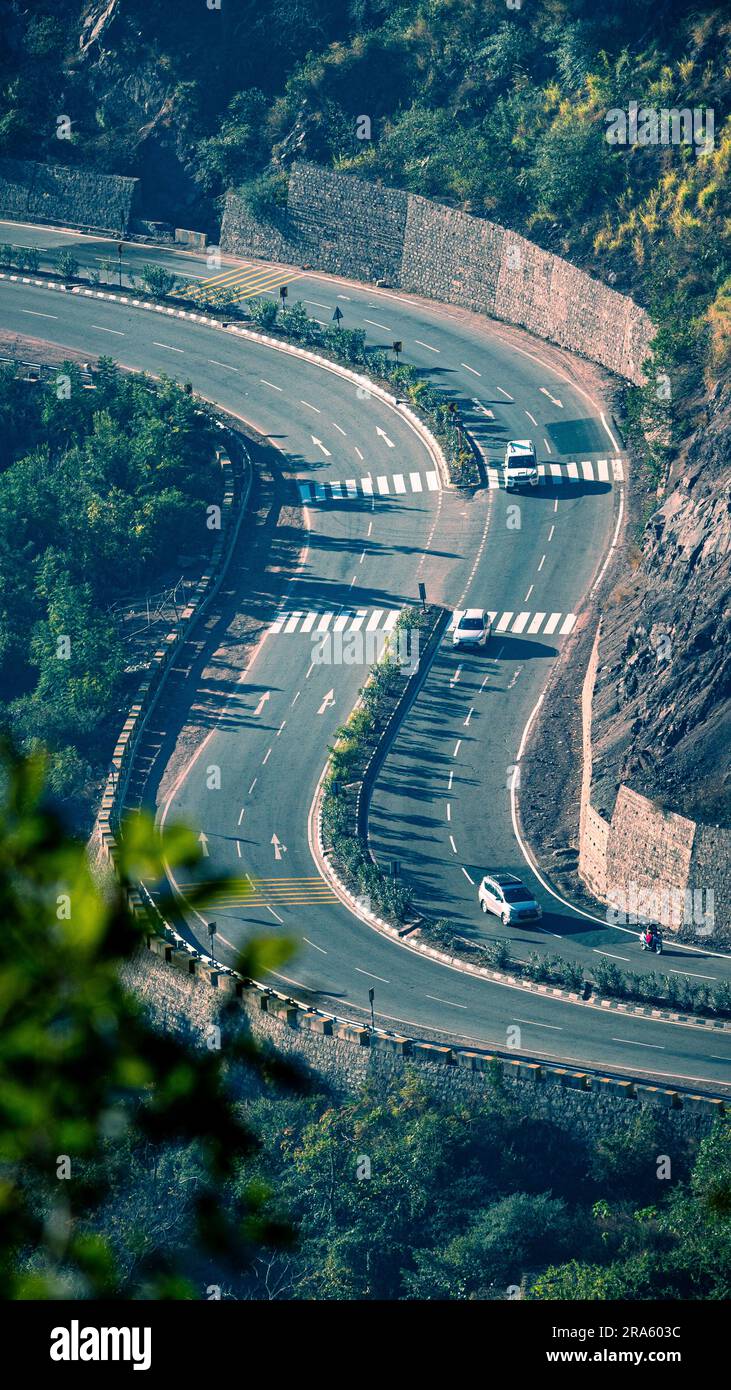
x=507, y=898
x=471, y=627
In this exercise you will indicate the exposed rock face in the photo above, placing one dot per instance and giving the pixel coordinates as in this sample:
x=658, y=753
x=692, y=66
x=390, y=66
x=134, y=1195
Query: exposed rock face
x=662, y=702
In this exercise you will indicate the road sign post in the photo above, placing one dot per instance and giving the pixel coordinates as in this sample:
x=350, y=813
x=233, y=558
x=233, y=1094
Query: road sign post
x=120, y=249
x=398, y=347
x=338, y=314
x=282, y=294
x=371, y=997
x=211, y=935
x=422, y=595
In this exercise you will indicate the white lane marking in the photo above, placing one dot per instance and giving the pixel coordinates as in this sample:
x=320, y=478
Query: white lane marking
x=505, y=394
x=468, y=368
x=274, y=914
x=281, y=726
x=372, y=976
x=530, y=591
x=554, y=399
x=543, y=561
x=450, y=1002
x=357, y=450
x=265, y=759
x=693, y=975
x=241, y=816
x=296, y=698
x=264, y=382
x=547, y=445
x=315, y=947
x=555, y=505
x=344, y=296
x=535, y=1024
x=457, y=747
x=453, y=679
x=550, y=534
x=251, y=788
x=338, y=428
x=451, y=841
x=225, y=365
x=373, y=324
x=469, y=716
x=449, y=811
x=451, y=778
x=100, y=329
x=34, y=313
x=426, y=345
x=464, y=871
x=656, y=1047
x=167, y=346
x=532, y=418
x=316, y=408
x=316, y=303
x=238, y=848
x=597, y=952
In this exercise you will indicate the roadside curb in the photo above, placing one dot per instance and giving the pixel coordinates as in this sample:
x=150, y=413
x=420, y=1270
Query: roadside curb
x=359, y=380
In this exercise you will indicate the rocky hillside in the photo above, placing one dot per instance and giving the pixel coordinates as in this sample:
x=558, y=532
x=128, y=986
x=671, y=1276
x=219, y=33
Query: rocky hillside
x=662, y=705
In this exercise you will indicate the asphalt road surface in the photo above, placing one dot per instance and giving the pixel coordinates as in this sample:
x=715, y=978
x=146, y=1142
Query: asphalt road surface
x=377, y=522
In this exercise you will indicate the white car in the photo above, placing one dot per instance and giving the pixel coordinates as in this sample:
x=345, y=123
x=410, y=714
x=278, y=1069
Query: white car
x=507, y=898
x=471, y=627
x=520, y=468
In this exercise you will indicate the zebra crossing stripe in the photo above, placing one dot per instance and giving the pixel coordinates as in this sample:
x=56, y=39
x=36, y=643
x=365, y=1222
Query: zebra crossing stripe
x=336, y=489
x=371, y=620
x=350, y=487
x=366, y=485
x=382, y=486
x=572, y=469
x=415, y=481
x=398, y=482
x=432, y=482
x=588, y=471
x=603, y=470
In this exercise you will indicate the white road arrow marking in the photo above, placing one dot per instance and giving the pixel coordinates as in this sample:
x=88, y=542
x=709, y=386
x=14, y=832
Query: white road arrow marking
x=328, y=702
x=262, y=702
x=383, y=435
x=203, y=842
x=554, y=399
x=321, y=446
x=279, y=848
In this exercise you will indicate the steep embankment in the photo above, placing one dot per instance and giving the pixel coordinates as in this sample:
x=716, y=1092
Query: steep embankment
x=662, y=702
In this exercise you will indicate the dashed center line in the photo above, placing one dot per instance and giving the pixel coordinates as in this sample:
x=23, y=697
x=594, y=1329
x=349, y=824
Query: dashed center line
x=468, y=368
x=167, y=346
x=371, y=976
x=264, y=382
x=101, y=329
x=450, y=1002
x=426, y=345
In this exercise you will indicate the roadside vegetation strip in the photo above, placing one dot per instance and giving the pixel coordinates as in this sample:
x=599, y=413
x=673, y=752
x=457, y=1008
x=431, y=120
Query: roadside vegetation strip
x=355, y=756
x=345, y=348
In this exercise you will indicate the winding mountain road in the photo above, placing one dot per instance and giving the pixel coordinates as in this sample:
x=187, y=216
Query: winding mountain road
x=377, y=521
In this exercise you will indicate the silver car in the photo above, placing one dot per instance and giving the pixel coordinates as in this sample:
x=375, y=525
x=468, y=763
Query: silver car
x=507, y=898
x=471, y=628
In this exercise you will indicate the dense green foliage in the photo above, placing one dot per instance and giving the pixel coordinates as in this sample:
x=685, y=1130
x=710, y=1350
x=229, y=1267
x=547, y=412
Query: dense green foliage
x=84, y=1080
x=100, y=490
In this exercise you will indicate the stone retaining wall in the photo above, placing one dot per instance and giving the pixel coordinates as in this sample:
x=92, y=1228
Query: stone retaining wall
x=646, y=849
x=31, y=192
x=346, y=226
x=184, y=992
